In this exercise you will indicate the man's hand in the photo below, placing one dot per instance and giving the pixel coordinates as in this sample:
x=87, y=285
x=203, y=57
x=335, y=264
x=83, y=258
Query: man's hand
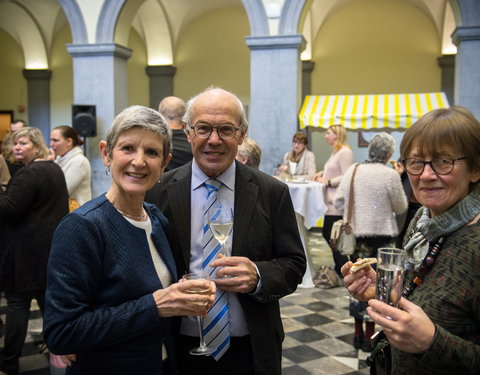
x=243, y=277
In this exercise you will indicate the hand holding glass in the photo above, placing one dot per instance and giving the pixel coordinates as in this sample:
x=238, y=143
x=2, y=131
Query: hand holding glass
x=389, y=282
x=203, y=349
x=221, y=224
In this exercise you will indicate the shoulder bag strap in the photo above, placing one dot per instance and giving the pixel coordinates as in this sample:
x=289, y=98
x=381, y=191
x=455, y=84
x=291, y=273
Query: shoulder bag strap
x=350, y=197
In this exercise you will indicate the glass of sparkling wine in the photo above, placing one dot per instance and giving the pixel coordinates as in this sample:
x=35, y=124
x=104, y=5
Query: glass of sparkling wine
x=221, y=224
x=390, y=267
x=202, y=349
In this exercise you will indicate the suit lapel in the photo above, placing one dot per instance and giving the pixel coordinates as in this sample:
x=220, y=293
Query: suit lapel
x=179, y=196
x=246, y=193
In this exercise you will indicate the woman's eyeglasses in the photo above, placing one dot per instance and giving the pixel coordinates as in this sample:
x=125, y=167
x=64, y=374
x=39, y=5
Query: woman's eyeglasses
x=440, y=166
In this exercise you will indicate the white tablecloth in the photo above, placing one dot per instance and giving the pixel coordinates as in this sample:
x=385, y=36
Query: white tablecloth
x=309, y=206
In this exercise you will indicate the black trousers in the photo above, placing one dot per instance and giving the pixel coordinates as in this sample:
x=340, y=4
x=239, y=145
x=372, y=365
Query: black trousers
x=16, y=324
x=338, y=258
x=238, y=360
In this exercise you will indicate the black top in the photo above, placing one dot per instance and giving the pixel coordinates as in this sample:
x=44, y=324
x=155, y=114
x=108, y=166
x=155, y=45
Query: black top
x=35, y=201
x=181, y=152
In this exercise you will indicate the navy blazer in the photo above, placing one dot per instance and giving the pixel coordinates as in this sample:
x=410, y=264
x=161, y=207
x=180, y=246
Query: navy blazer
x=99, y=301
x=266, y=232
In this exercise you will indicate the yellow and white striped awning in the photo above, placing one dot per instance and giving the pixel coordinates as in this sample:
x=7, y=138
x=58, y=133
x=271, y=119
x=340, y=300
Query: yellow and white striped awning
x=368, y=111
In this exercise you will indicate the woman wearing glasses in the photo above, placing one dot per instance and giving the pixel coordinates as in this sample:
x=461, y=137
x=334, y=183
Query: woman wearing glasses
x=436, y=330
x=300, y=161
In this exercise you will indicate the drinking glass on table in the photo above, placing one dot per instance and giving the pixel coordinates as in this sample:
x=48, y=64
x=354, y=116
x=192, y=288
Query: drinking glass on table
x=390, y=267
x=202, y=349
x=221, y=224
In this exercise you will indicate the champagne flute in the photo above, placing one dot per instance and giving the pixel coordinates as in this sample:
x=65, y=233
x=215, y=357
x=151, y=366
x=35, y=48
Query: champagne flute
x=221, y=224
x=202, y=349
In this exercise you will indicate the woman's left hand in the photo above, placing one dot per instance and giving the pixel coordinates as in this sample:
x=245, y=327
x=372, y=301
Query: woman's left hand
x=408, y=329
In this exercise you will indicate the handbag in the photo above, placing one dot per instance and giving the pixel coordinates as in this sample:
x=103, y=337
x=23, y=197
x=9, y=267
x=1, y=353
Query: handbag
x=380, y=360
x=326, y=278
x=342, y=237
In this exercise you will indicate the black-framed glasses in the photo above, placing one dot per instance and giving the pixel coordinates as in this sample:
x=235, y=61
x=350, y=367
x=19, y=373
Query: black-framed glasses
x=224, y=131
x=440, y=166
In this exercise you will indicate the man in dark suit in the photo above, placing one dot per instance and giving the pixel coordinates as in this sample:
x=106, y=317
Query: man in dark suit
x=173, y=109
x=266, y=261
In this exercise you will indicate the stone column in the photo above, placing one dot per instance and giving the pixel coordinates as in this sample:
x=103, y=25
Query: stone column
x=160, y=82
x=447, y=64
x=307, y=69
x=275, y=94
x=38, y=104
x=100, y=78
x=467, y=73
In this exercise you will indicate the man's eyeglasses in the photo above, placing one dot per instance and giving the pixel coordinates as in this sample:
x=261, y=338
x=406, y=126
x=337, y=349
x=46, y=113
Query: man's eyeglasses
x=440, y=166
x=223, y=131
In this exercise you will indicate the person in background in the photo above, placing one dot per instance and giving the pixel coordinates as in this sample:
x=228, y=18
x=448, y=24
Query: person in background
x=266, y=261
x=112, y=259
x=7, y=147
x=436, y=329
x=173, y=109
x=413, y=206
x=333, y=171
x=249, y=153
x=300, y=162
x=4, y=173
x=35, y=201
x=65, y=144
x=378, y=198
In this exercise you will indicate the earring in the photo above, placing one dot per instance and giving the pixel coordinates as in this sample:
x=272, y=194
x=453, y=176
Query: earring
x=107, y=170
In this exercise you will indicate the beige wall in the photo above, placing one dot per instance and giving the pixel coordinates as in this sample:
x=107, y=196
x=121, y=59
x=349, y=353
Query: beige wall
x=373, y=47
x=212, y=51
x=61, y=83
x=137, y=78
x=376, y=47
x=13, y=90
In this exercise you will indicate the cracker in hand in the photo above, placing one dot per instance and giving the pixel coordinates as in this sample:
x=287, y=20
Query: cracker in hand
x=362, y=263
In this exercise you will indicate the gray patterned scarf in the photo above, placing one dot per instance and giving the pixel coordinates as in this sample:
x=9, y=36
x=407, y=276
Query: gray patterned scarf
x=428, y=229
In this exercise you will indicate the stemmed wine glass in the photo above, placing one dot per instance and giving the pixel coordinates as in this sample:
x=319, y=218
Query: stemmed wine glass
x=202, y=349
x=221, y=224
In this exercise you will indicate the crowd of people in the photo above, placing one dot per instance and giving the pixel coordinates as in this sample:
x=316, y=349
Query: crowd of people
x=107, y=272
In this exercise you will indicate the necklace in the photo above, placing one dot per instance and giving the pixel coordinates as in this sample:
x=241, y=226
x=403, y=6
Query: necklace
x=136, y=218
x=427, y=264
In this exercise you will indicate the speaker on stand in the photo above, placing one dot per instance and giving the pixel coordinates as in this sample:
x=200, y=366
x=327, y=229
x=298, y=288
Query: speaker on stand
x=84, y=121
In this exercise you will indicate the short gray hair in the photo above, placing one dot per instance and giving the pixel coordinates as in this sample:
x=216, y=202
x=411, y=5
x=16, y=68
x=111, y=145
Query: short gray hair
x=380, y=146
x=141, y=117
x=242, y=117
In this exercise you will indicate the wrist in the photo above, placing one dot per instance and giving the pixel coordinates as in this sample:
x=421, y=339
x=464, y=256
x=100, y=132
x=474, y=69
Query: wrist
x=329, y=183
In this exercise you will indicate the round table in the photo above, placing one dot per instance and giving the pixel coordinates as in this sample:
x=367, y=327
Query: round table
x=309, y=205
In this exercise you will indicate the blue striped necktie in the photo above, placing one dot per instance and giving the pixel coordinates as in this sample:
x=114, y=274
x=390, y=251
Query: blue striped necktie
x=216, y=328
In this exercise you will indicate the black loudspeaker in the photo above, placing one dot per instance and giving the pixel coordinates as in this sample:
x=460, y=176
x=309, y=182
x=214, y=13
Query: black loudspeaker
x=84, y=120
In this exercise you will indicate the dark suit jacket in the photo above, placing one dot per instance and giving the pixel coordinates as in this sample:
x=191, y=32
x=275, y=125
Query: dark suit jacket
x=265, y=231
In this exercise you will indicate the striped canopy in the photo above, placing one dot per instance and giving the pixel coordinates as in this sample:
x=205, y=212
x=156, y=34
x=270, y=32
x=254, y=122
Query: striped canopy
x=368, y=111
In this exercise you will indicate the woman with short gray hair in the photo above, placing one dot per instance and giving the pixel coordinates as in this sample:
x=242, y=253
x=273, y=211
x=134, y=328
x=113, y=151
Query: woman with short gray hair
x=112, y=258
x=378, y=196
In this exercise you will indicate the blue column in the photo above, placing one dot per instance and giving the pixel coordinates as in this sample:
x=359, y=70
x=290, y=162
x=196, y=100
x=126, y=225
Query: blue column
x=160, y=82
x=38, y=106
x=467, y=74
x=100, y=78
x=275, y=79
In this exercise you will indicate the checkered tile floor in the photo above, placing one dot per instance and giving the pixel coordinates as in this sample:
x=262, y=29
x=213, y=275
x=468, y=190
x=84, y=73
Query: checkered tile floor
x=318, y=330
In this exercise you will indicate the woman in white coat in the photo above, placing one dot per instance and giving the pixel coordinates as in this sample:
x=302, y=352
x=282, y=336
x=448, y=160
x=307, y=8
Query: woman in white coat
x=65, y=144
